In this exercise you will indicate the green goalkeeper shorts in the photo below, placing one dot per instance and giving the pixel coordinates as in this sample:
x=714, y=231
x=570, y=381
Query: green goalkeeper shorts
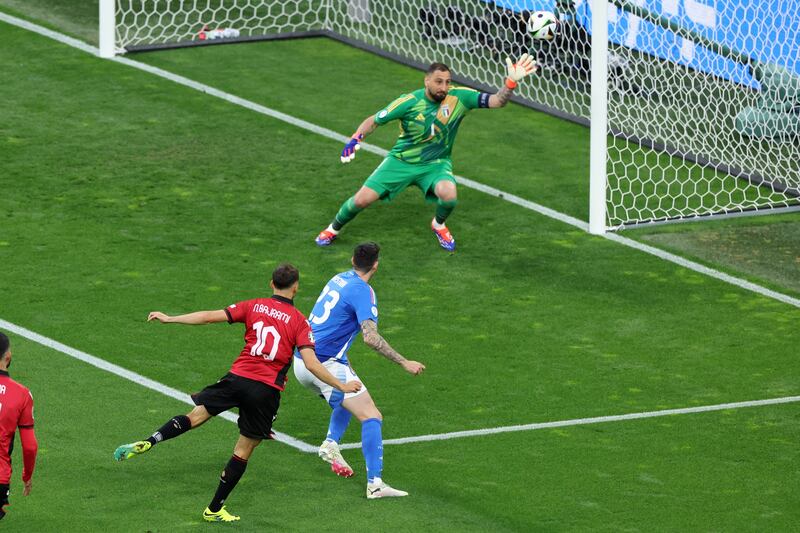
x=393, y=176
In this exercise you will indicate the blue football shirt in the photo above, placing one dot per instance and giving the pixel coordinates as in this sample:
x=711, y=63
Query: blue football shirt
x=345, y=302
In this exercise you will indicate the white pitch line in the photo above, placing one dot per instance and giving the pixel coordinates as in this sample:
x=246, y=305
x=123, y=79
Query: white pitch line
x=134, y=377
x=308, y=448
x=174, y=393
x=582, y=421
x=702, y=269
x=330, y=134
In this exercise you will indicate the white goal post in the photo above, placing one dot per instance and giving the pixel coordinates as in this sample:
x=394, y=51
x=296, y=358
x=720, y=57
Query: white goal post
x=598, y=144
x=108, y=28
x=694, y=105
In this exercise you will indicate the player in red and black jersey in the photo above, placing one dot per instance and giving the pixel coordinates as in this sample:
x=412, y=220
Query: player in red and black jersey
x=274, y=328
x=16, y=411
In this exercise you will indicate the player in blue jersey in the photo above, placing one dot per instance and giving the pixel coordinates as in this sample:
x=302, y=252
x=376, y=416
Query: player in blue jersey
x=346, y=306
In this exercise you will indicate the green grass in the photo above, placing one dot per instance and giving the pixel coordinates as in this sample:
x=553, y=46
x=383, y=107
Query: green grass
x=548, y=161
x=79, y=487
x=667, y=104
x=550, y=166
x=77, y=18
x=767, y=247
x=125, y=193
x=693, y=472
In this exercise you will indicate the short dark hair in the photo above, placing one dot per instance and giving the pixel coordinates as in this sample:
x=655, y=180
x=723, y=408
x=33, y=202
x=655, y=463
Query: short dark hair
x=365, y=256
x=5, y=343
x=285, y=275
x=437, y=66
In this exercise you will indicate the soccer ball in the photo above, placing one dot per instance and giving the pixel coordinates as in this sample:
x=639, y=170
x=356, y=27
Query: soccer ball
x=542, y=25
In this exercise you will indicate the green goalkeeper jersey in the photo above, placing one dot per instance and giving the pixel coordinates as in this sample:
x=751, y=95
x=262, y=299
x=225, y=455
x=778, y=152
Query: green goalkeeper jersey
x=427, y=128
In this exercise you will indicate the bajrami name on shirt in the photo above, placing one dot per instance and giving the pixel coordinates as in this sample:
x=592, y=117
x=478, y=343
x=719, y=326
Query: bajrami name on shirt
x=270, y=312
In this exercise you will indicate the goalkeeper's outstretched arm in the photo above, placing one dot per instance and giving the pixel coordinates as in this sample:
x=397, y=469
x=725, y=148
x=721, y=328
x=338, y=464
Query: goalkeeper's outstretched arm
x=500, y=98
x=364, y=129
x=516, y=71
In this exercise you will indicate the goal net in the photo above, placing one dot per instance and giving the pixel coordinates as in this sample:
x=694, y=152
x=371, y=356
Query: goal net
x=715, y=87
x=149, y=24
x=703, y=105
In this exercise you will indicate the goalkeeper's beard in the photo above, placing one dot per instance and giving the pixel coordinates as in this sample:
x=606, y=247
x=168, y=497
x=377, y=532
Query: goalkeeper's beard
x=437, y=97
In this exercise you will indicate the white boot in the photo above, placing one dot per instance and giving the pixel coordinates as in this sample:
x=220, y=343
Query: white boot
x=379, y=489
x=329, y=452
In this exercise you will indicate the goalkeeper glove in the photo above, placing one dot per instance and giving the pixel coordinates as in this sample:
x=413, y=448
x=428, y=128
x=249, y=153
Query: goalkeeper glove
x=349, y=151
x=520, y=69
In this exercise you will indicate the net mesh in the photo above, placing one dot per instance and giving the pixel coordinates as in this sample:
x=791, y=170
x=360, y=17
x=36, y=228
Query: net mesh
x=157, y=22
x=699, y=100
x=721, y=108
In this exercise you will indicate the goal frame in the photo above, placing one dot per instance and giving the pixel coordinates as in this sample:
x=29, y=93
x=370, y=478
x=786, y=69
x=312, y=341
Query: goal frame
x=598, y=121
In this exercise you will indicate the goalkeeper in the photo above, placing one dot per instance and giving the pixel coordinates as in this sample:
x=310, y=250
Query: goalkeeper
x=429, y=120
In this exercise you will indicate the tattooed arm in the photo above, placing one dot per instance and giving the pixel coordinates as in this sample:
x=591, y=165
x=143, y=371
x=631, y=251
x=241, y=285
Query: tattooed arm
x=373, y=339
x=366, y=127
x=516, y=72
x=500, y=98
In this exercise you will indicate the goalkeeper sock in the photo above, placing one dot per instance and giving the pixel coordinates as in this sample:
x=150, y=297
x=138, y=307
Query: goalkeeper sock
x=340, y=418
x=372, y=447
x=176, y=426
x=233, y=472
x=346, y=213
x=443, y=209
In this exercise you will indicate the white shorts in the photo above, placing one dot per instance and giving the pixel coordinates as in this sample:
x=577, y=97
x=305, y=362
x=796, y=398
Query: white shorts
x=340, y=371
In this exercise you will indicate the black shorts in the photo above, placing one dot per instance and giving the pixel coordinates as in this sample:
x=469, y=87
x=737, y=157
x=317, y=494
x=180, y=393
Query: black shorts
x=3, y=499
x=257, y=402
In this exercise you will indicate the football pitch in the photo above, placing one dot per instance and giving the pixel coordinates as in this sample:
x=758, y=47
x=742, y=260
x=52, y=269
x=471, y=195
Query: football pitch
x=123, y=192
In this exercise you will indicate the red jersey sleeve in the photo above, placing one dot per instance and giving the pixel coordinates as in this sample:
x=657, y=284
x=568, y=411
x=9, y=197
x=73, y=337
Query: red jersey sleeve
x=26, y=415
x=304, y=337
x=29, y=450
x=27, y=437
x=237, y=312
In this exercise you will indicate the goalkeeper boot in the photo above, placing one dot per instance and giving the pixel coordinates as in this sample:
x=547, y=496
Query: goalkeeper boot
x=329, y=452
x=379, y=489
x=126, y=451
x=446, y=240
x=220, y=516
x=325, y=237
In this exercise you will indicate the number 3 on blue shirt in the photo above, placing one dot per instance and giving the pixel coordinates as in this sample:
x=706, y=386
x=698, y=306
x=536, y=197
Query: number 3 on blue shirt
x=327, y=306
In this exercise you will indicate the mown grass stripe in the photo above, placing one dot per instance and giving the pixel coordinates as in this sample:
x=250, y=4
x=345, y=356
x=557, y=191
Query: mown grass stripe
x=325, y=132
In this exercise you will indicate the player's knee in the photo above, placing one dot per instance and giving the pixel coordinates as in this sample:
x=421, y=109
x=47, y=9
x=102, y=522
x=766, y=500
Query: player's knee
x=367, y=414
x=198, y=416
x=364, y=197
x=361, y=201
x=448, y=196
x=245, y=446
x=446, y=192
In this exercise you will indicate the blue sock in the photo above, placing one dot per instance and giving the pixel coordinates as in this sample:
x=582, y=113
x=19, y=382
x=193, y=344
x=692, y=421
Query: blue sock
x=372, y=447
x=340, y=418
